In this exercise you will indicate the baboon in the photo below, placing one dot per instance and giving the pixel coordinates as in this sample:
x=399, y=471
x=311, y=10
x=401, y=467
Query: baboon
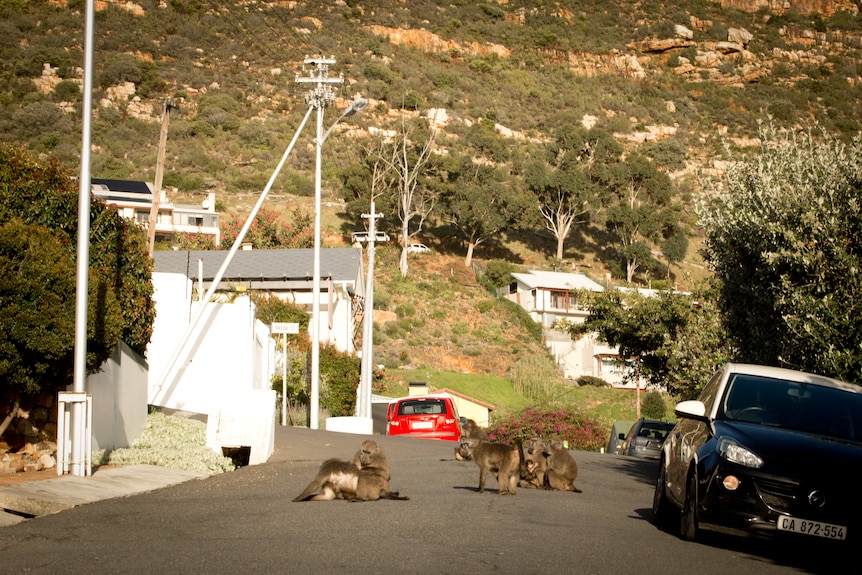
x=371, y=457
x=535, y=463
x=470, y=430
x=337, y=479
x=365, y=478
x=562, y=468
x=500, y=458
x=372, y=486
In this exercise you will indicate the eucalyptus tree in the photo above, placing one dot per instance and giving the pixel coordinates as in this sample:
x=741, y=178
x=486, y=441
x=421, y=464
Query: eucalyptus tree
x=784, y=238
x=642, y=213
x=567, y=180
x=481, y=202
x=410, y=163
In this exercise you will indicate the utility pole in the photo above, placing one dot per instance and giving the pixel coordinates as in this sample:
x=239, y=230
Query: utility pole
x=363, y=399
x=321, y=96
x=160, y=168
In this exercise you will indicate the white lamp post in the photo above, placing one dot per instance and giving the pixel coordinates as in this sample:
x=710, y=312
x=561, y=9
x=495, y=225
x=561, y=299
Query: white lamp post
x=320, y=97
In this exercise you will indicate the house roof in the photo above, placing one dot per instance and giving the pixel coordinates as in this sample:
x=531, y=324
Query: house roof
x=342, y=264
x=123, y=185
x=557, y=280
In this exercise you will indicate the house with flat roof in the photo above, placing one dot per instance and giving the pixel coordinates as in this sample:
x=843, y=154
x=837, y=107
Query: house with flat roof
x=134, y=200
x=552, y=297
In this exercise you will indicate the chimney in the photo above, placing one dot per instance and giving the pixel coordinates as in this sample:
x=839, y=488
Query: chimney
x=417, y=388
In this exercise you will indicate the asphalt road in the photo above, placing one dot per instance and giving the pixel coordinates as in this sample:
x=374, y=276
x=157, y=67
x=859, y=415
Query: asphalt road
x=245, y=522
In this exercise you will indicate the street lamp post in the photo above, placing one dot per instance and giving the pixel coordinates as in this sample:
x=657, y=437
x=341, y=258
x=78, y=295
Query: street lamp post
x=321, y=96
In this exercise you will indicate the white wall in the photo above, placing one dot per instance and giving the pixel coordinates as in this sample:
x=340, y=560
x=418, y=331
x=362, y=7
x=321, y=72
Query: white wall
x=230, y=351
x=119, y=393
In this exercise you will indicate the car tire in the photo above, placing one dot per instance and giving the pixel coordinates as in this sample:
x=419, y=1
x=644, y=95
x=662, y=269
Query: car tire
x=661, y=507
x=688, y=518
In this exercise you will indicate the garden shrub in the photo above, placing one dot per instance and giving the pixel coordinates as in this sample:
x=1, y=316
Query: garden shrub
x=579, y=430
x=592, y=380
x=653, y=406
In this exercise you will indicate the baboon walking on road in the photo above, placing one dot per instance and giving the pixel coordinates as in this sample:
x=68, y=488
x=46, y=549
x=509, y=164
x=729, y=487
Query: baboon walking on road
x=499, y=458
x=470, y=430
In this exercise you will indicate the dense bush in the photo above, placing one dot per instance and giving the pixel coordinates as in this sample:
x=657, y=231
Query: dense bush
x=592, y=380
x=653, y=406
x=582, y=432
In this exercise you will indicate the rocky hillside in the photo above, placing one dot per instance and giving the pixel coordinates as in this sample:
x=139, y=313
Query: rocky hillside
x=684, y=84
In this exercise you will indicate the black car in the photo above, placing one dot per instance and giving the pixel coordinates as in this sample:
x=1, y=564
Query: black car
x=645, y=438
x=765, y=451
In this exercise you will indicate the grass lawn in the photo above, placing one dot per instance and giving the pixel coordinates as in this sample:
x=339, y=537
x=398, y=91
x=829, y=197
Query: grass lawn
x=606, y=405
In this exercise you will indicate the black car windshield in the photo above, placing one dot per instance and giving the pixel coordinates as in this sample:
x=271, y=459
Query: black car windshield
x=793, y=405
x=423, y=407
x=655, y=429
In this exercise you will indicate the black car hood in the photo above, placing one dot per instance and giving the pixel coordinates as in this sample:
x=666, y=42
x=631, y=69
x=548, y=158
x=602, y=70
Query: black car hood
x=795, y=453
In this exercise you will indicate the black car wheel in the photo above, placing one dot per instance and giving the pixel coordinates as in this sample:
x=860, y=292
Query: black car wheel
x=661, y=507
x=688, y=523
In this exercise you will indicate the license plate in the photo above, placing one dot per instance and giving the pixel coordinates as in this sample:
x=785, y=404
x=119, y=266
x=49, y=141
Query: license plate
x=422, y=425
x=816, y=528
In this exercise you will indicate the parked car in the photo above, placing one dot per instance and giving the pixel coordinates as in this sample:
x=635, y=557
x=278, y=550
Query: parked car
x=428, y=416
x=765, y=451
x=416, y=248
x=645, y=438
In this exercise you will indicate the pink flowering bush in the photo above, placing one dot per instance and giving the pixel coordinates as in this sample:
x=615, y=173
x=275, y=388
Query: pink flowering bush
x=582, y=432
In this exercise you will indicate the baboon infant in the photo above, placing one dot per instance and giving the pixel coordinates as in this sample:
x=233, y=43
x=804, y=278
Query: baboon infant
x=562, y=469
x=535, y=463
x=470, y=430
x=500, y=458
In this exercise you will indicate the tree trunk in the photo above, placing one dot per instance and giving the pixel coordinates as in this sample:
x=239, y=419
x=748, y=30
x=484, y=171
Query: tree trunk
x=12, y=414
x=469, y=260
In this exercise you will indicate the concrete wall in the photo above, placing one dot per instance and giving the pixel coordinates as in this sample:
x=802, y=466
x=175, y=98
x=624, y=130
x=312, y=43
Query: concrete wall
x=119, y=397
x=228, y=352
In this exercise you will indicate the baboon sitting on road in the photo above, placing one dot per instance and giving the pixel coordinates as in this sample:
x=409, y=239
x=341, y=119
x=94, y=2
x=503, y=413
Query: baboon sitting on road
x=562, y=468
x=371, y=457
x=535, y=463
x=365, y=478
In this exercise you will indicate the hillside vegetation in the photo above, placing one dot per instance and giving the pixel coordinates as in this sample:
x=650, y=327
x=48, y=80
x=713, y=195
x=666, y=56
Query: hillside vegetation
x=684, y=85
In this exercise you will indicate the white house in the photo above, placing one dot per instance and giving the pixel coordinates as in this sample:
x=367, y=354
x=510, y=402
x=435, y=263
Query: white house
x=550, y=297
x=229, y=358
x=134, y=201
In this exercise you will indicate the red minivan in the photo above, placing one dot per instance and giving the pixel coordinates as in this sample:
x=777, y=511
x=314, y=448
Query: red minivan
x=425, y=416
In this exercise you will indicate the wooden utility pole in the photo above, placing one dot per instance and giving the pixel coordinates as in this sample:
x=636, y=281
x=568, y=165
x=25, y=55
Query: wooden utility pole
x=160, y=168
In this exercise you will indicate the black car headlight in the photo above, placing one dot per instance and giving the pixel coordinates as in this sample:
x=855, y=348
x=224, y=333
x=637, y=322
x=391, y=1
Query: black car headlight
x=732, y=451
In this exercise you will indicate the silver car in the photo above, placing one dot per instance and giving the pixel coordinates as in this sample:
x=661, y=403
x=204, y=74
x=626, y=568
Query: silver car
x=645, y=438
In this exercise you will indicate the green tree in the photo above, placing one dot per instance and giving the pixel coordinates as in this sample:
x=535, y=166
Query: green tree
x=642, y=205
x=642, y=328
x=566, y=181
x=482, y=201
x=39, y=279
x=701, y=346
x=339, y=380
x=269, y=231
x=785, y=239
